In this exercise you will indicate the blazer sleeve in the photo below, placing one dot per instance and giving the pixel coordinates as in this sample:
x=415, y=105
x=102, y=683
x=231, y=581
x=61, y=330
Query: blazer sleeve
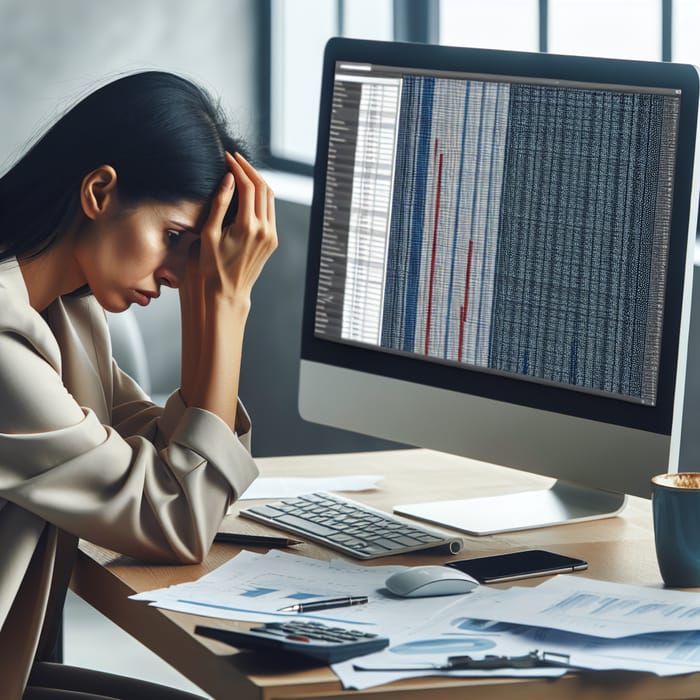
x=150, y=486
x=133, y=413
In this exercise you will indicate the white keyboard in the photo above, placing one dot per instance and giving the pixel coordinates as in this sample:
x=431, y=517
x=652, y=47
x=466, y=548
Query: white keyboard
x=350, y=527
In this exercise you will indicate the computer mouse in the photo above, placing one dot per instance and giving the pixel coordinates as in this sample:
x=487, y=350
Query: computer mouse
x=422, y=581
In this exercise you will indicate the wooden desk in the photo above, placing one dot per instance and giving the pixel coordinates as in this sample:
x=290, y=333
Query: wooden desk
x=617, y=549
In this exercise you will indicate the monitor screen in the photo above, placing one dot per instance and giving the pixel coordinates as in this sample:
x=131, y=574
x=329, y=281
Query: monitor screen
x=500, y=256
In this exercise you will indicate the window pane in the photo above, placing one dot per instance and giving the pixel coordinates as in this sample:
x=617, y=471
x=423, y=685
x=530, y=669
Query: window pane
x=686, y=21
x=496, y=24
x=300, y=30
x=368, y=19
x=297, y=58
x=610, y=28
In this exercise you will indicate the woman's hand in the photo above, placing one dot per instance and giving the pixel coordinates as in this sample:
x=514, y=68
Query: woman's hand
x=215, y=294
x=231, y=258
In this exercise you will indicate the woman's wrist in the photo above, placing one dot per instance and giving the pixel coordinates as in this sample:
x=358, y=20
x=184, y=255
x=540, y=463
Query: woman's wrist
x=234, y=303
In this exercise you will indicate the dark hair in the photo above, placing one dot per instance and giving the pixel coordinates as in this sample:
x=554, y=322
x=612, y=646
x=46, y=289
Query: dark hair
x=164, y=136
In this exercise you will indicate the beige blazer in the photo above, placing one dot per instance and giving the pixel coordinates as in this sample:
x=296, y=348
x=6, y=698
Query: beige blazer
x=85, y=454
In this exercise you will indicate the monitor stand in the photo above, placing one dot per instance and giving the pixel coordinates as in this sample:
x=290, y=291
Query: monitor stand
x=562, y=503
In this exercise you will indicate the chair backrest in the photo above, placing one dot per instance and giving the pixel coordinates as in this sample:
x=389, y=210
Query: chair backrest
x=128, y=347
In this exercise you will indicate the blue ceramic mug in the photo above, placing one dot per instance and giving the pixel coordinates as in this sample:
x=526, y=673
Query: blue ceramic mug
x=675, y=501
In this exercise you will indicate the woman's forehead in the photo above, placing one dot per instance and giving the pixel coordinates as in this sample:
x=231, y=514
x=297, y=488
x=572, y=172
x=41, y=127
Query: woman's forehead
x=184, y=214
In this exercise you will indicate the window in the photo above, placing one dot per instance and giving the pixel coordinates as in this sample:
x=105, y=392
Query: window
x=299, y=30
x=610, y=28
x=295, y=33
x=497, y=24
x=685, y=30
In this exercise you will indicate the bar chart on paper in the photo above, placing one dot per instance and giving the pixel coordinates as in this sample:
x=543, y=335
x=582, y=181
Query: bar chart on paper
x=468, y=246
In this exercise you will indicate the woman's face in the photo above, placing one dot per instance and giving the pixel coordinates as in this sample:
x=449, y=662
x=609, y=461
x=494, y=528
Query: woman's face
x=127, y=254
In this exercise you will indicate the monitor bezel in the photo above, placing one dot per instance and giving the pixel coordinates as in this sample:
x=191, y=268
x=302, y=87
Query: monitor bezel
x=656, y=419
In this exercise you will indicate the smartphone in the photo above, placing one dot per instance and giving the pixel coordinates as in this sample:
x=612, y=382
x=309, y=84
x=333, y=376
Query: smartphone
x=517, y=565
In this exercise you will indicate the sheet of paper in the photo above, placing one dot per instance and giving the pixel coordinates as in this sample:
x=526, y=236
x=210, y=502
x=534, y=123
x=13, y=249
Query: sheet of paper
x=430, y=643
x=663, y=654
x=288, y=487
x=360, y=680
x=253, y=587
x=587, y=606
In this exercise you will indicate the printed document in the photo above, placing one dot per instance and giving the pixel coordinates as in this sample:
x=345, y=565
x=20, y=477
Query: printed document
x=289, y=486
x=253, y=587
x=587, y=606
x=454, y=634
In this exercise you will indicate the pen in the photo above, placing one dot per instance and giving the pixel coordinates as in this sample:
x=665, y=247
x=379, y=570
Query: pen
x=254, y=540
x=325, y=604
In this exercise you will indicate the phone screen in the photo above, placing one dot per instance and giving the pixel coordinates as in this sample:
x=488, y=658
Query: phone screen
x=517, y=565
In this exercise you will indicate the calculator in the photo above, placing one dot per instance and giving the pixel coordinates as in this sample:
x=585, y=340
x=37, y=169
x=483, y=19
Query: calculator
x=312, y=640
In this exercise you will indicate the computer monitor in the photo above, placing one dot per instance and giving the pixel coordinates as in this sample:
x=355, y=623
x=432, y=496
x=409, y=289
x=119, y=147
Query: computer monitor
x=500, y=266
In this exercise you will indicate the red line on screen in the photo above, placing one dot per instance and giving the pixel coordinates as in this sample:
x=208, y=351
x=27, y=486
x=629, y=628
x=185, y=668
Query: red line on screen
x=463, y=315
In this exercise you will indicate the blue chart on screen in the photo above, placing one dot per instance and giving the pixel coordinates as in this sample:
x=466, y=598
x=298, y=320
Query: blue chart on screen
x=444, y=646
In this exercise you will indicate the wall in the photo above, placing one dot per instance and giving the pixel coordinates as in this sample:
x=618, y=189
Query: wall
x=54, y=52
x=690, y=436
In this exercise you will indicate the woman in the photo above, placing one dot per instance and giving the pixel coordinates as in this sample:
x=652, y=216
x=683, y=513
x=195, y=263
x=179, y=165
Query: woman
x=136, y=187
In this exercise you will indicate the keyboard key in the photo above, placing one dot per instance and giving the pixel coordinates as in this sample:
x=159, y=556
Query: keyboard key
x=384, y=542
x=407, y=541
x=305, y=525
